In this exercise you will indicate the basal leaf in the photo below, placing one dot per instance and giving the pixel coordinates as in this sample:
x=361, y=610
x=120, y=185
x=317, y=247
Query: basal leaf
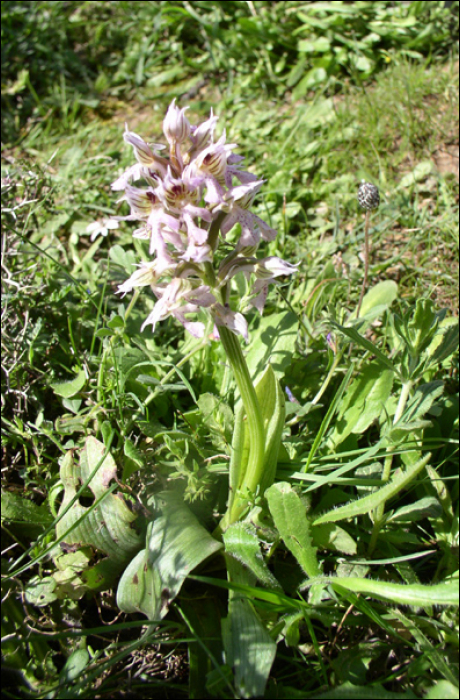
x=242, y=481
x=175, y=544
x=106, y=528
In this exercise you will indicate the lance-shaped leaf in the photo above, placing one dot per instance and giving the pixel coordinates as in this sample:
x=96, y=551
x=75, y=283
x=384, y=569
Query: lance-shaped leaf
x=289, y=515
x=415, y=594
x=291, y=521
x=367, y=504
x=242, y=543
x=175, y=544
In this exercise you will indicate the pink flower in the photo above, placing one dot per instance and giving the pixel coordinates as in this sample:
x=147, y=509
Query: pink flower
x=178, y=299
x=235, y=322
x=238, y=200
x=186, y=202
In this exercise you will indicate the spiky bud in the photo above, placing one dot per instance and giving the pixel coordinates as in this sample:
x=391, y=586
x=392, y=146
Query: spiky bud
x=368, y=196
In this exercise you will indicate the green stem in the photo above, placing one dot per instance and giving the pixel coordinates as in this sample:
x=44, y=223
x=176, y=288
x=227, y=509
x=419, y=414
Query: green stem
x=255, y=426
x=380, y=510
x=366, y=262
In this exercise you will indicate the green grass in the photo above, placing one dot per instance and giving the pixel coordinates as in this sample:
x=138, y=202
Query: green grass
x=373, y=95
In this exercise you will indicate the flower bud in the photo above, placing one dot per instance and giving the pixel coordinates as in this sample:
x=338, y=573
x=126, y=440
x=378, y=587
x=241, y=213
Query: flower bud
x=176, y=126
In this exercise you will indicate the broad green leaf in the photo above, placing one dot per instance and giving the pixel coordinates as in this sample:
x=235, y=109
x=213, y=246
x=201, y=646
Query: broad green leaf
x=422, y=327
x=103, y=333
x=175, y=544
x=134, y=459
x=320, y=45
x=272, y=342
x=72, y=387
x=249, y=648
x=296, y=72
x=424, y=508
x=312, y=78
x=443, y=690
x=333, y=537
x=116, y=322
x=289, y=515
x=416, y=595
x=419, y=173
x=445, y=342
x=125, y=259
x=74, y=666
x=72, y=405
x=108, y=527
x=379, y=298
x=363, y=403
x=361, y=63
x=41, y=591
x=360, y=506
x=242, y=543
x=169, y=76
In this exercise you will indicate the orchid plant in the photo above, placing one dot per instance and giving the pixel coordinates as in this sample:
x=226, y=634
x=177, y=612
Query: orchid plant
x=189, y=201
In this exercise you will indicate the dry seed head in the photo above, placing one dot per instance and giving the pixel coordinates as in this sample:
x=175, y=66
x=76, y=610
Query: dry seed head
x=368, y=196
